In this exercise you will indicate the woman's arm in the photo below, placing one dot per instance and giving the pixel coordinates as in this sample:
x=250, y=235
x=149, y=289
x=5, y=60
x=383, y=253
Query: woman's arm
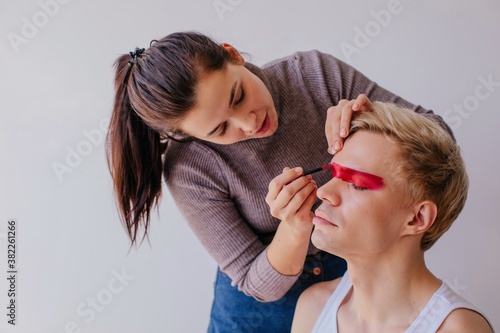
x=198, y=182
x=332, y=80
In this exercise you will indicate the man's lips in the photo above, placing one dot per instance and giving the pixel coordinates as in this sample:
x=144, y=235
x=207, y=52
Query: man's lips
x=320, y=219
x=265, y=126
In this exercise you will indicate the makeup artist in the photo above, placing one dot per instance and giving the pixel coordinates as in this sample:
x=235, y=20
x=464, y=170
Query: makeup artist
x=218, y=130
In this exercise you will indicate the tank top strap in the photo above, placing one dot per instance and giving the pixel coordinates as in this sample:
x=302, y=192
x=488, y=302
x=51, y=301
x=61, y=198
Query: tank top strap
x=441, y=304
x=327, y=321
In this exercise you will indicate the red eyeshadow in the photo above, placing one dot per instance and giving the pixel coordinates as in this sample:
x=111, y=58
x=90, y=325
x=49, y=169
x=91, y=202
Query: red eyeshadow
x=358, y=178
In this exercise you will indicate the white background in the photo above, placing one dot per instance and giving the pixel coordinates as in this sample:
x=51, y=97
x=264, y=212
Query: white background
x=56, y=85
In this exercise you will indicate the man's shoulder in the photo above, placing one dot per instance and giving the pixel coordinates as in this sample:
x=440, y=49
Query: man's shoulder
x=321, y=289
x=311, y=303
x=465, y=320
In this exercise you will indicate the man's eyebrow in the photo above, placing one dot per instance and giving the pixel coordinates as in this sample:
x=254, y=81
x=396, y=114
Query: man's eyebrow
x=231, y=97
x=357, y=170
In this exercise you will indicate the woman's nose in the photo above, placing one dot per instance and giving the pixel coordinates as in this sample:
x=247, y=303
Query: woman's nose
x=246, y=121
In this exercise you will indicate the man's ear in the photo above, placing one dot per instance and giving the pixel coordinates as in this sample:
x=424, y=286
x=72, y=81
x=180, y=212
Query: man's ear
x=423, y=217
x=235, y=55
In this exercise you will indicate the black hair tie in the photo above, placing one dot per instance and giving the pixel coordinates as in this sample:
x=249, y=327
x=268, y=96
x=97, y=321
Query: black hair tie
x=134, y=55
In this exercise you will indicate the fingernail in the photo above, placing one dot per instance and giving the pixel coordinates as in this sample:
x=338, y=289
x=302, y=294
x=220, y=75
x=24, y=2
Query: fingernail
x=336, y=145
x=298, y=170
x=343, y=132
x=309, y=177
x=355, y=106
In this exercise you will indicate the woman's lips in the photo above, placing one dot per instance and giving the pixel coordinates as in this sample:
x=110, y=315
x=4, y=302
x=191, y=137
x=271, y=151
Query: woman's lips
x=265, y=126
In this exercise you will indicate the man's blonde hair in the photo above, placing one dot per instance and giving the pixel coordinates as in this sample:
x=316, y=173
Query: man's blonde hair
x=429, y=165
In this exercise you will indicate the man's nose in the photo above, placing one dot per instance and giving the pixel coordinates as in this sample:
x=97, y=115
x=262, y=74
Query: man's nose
x=329, y=192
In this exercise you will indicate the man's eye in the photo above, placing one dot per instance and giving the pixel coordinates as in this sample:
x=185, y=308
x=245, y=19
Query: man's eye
x=358, y=188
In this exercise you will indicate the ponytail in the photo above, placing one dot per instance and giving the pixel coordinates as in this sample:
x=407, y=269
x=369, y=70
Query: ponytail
x=154, y=90
x=134, y=153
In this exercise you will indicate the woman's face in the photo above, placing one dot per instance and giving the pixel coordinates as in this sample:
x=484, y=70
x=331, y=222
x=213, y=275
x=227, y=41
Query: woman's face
x=232, y=105
x=355, y=220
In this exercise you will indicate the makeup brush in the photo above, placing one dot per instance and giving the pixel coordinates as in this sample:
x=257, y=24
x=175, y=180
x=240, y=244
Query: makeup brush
x=324, y=167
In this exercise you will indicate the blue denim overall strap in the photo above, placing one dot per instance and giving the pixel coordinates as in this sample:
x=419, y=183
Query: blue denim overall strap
x=234, y=312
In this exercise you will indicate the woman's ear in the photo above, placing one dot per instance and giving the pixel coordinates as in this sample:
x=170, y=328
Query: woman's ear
x=235, y=55
x=424, y=215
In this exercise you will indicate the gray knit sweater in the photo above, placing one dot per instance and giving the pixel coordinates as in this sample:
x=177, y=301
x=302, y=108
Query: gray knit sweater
x=221, y=189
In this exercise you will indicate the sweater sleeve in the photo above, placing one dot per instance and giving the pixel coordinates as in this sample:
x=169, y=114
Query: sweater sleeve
x=198, y=182
x=337, y=80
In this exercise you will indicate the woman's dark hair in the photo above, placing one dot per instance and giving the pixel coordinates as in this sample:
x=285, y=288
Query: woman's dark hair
x=154, y=90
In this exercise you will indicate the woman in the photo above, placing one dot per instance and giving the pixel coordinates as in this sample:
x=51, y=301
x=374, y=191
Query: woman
x=219, y=130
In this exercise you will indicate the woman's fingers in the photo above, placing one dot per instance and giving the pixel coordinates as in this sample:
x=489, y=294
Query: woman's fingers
x=291, y=203
x=291, y=194
x=362, y=103
x=277, y=184
x=345, y=119
x=338, y=120
x=301, y=204
x=332, y=126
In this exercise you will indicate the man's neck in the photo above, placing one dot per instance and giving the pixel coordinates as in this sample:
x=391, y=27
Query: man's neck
x=389, y=290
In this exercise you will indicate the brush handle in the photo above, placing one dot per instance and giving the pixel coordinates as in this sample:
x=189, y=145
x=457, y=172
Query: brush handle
x=308, y=172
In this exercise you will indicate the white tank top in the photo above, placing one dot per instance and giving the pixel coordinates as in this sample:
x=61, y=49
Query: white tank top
x=441, y=304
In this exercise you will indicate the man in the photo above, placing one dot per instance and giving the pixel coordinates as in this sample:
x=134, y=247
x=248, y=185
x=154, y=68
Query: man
x=396, y=187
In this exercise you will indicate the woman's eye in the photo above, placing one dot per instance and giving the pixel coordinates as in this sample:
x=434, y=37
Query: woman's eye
x=242, y=96
x=224, y=129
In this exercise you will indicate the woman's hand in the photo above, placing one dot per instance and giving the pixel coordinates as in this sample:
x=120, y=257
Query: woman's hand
x=291, y=197
x=338, y=120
